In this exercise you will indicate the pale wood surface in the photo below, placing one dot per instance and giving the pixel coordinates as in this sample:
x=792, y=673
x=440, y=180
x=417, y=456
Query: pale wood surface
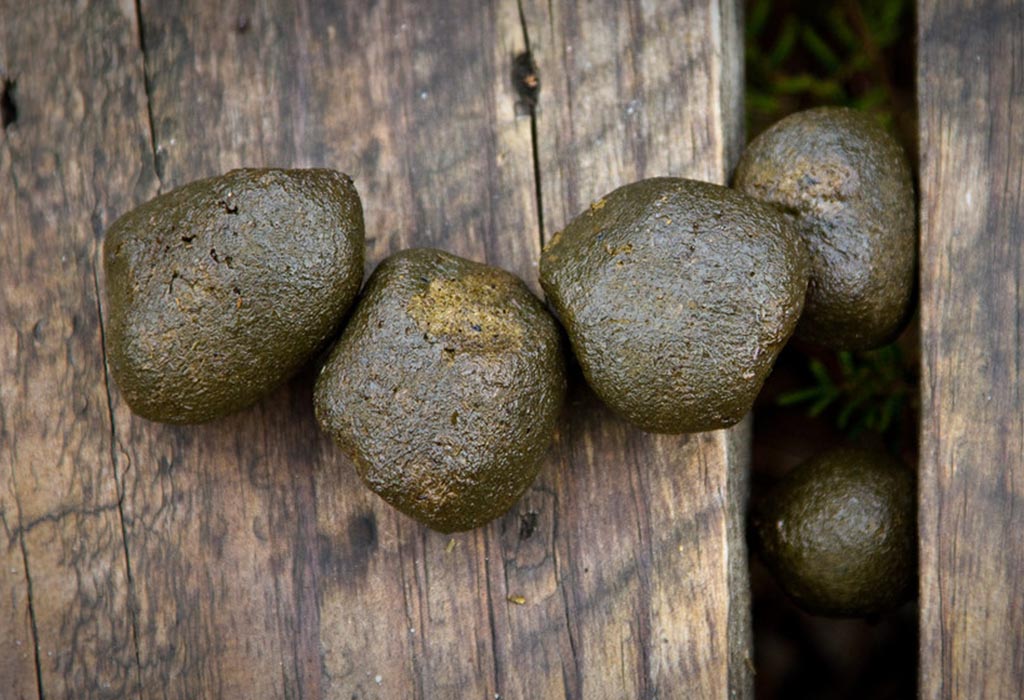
x=242, y=558
x=74, y=159
x=971, y=101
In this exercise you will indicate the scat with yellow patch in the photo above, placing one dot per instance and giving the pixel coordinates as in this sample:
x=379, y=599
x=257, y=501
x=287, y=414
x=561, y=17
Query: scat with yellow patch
x=468, y=312
x=444, y=388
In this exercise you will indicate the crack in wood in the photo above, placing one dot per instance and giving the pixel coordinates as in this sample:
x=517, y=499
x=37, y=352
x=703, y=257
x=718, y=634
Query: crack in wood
x=19, y=533
x=740, y=668
x=414, y=656
x=575, y=689
x=577, y=683
x=645, y=556
x=490, y=612
x=527, y=84
x=58, y=516
x=119, y=487
x=31, y=608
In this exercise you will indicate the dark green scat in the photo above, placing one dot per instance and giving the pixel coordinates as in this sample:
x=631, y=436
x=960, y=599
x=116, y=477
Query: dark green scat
x=221, y=289
x=444, y=388
x=845, y=181
x=677, y=297
x=839, y=533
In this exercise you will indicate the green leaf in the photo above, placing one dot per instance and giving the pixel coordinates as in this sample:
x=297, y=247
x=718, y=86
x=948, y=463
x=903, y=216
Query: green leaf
x=840, y=29
x=820, y=405
x=874, y=98
x=784, y=44
x=856, y=64
x=821, y=373
x=886, y=28
x=799, y=396
x=805, y=83
x=762, y=102
x=890, y=409
x=757, y=16
x=820, y=49
x=843, y=419
x=846, y=363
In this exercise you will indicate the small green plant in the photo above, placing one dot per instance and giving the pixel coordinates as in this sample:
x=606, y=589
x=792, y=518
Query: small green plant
x=801, y=54
x=862, y=390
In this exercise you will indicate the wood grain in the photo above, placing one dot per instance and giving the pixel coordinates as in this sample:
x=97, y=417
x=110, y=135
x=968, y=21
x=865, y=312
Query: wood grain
x=395, y=95
x=632, y=91
x=242, y=558
x=971, y=103
x=76, y=156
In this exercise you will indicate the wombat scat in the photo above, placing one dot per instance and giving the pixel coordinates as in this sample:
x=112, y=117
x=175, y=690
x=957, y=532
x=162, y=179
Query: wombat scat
x=444, y=388
x=677, y=297
x=846, y=184
x=220, y=290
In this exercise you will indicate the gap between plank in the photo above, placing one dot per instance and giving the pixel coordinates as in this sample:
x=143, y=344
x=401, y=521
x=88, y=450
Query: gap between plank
x=147, y=87
x=414, y=658
x=118, y=485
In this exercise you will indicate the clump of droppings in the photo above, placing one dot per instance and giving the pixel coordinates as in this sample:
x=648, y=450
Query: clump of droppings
x=845, y=182
x=677, y=297
x=839, y=533
x=221, y=289
x=444, y=388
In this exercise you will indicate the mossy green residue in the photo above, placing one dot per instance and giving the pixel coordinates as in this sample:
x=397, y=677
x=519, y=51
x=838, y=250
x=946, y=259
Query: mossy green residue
x=444, y=388
x=839, y=533
x=221, y=289
x=677, y=297
x=845, y=182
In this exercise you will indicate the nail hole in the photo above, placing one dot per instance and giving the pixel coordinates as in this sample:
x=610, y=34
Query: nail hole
x=526, y=79
x=8, y=107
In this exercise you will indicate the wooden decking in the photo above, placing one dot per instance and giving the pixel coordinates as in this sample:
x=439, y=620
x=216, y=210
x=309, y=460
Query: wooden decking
x=971, y=109
x=243, y=558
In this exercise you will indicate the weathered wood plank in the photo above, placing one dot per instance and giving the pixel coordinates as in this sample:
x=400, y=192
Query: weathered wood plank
x=406, y=99
x=220, y=518
x=431, y=85
x=74, y=155
x=971, y=104
x=635, y=90
x=17, y=638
